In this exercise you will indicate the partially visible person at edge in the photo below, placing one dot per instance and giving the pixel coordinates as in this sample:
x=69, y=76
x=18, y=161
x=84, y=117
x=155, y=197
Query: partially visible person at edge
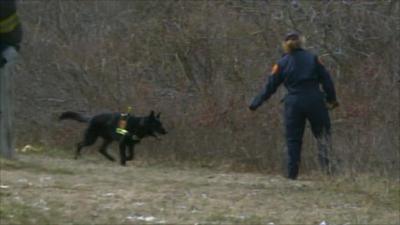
x=302, y=73
x=10, y=39
x=10, y=30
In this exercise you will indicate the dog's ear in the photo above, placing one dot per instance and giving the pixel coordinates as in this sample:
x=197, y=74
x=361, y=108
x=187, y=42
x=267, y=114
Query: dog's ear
x=151, y=114
x=158, y=115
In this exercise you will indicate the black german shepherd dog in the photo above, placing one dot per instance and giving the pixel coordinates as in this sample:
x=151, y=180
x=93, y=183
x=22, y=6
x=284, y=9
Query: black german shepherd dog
x=105, y=125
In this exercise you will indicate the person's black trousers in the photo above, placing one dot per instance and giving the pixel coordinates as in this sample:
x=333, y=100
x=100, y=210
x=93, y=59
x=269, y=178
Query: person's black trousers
x=298, y=109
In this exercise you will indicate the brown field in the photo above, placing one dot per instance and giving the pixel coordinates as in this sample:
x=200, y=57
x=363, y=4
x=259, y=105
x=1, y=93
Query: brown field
x=44, y=188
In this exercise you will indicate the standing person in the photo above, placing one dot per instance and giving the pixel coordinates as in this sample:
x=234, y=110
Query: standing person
x=302, y=74
x=10, y=38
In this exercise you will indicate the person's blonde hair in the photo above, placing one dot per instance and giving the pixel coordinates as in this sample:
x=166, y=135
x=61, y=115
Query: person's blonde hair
x=292, y=44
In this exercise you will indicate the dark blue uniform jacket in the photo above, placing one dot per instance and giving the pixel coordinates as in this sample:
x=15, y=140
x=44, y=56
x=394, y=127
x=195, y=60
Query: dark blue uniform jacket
x=302, y=73
x=10, y=26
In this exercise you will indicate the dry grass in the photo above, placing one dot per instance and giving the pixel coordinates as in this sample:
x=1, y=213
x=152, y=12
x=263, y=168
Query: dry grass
x=43, y=189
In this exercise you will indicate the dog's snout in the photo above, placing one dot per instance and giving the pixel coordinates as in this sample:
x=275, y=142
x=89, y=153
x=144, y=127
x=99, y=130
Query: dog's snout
x=163, y=131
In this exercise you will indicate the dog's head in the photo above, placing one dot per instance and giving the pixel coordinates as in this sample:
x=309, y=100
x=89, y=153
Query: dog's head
x=153, y=125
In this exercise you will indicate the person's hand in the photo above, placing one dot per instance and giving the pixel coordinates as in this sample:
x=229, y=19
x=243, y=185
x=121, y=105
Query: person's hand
x=332, y=105
x=252, y=108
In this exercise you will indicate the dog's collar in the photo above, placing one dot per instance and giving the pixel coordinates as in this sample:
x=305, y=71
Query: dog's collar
x=121, y=131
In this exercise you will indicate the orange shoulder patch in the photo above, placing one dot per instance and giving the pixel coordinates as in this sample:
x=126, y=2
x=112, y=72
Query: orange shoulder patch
x=275, y=69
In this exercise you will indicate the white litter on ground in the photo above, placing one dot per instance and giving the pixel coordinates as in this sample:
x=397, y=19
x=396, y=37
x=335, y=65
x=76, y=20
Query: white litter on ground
x=138, y=203
x=109, y=194
x=142, y=218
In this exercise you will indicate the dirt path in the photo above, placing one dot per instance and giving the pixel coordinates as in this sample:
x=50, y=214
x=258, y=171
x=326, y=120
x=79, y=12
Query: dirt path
x=40, y=189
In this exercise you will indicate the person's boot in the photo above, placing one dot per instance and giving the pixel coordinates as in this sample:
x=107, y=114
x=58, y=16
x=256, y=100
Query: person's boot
x=293, y=172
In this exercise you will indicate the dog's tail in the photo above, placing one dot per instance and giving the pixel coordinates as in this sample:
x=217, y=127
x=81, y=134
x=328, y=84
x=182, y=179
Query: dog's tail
x=74, y=116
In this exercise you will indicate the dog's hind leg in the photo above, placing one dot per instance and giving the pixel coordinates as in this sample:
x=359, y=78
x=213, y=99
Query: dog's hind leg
x=90, y=138
x=79, y=146
x=103, y=149
x=131, y=151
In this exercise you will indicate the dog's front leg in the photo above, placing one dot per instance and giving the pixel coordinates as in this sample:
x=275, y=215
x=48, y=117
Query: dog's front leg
x=122, y=152
x=131, y=151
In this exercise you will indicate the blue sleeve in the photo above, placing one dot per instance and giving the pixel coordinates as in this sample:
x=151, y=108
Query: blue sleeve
x=272, y=83
x=326, y=81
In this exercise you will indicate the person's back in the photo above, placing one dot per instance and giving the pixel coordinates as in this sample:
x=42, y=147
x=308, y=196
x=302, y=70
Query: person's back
x=300, y=74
